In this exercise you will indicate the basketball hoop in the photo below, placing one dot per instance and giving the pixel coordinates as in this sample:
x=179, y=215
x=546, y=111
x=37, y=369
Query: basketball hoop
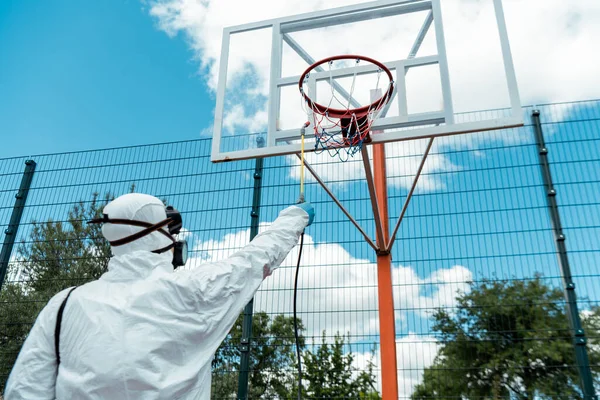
x=349, y=126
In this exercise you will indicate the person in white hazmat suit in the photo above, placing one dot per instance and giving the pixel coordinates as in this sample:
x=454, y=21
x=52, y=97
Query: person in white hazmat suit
x=142, y=331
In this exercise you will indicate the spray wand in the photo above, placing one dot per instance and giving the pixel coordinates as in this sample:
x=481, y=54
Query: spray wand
x=300, y=200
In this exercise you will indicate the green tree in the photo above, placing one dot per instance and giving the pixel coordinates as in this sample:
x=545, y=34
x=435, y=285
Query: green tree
x=505, y=340
x=59, y=255
x=329, y=373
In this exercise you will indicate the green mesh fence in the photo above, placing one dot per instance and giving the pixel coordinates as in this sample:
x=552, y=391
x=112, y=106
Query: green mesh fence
x=479, y=298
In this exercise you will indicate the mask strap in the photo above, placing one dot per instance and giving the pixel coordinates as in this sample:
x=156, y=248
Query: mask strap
x=128, y=239
x=166, y=248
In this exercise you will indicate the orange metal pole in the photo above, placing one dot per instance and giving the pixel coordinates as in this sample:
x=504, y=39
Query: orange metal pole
x=387, y=328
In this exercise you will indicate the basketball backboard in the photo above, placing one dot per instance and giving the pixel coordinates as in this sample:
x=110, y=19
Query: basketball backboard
x=447, y=64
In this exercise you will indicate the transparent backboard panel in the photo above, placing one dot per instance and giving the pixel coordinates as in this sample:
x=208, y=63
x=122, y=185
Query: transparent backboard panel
x=446, y=60
x=246, y=96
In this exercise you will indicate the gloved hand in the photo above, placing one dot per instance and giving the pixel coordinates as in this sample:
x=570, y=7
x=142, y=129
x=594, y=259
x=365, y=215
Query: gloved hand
x=306, y=206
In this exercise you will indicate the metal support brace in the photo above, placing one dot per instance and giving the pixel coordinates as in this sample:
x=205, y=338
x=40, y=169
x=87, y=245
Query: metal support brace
x=381, y=247
x=245, y=345
x=310, y=169
x=421, y=35
x=10, y=234
x=579, y=339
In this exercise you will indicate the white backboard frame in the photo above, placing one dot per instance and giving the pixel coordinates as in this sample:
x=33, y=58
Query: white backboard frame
x=442, y=121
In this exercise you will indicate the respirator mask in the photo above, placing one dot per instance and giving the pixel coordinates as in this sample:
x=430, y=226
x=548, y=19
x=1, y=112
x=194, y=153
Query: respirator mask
x=173, y=222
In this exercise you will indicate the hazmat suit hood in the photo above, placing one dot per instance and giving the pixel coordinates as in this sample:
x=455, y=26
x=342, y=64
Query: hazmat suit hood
x=136, y=259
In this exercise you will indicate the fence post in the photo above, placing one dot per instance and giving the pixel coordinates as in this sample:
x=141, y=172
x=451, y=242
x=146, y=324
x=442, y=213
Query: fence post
x=245, y=343
x=10, y=234
x=577, y=332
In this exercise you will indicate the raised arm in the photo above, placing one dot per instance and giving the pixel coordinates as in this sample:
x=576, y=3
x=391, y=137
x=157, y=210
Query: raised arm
x=268, y=249
x=222, y=289
x=241, y=274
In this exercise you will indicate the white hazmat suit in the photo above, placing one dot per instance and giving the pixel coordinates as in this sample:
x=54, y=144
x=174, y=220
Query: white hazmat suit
x=142, y=331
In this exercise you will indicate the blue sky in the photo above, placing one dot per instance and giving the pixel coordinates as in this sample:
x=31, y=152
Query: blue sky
x=80, y=75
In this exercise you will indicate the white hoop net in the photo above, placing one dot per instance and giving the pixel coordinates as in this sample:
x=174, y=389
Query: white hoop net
x=343, y=136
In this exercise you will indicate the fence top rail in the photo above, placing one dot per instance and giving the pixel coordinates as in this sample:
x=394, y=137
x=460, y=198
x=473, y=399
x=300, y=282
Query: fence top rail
x=207, y=139
x=204, y=139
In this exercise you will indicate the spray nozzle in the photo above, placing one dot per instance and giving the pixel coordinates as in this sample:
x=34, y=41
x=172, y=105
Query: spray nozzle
x=303, y=129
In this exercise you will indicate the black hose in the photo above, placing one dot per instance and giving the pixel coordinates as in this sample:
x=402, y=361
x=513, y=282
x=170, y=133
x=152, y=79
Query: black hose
x=296, y=318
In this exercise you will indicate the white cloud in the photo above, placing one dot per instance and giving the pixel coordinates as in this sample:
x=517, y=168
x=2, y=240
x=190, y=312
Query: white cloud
x=236, y=117
x=553, y=52
x=338, y=292
x=17, y=269
x=414, y=353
